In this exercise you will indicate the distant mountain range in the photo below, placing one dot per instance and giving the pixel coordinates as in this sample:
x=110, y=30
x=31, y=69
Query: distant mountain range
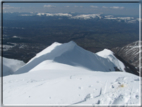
x=87, y=16
x=127, y=19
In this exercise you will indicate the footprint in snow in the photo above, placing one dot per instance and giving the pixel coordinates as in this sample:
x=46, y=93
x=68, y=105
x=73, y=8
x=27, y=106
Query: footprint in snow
x=137, y=96
x=99, y=101
x=113, y=86
x=70, y=77
x=121, y=99
x=121, y=79
x=90, y=86
x=97, y=81
x=136, y=79
x=80, y=88
x=88, y=96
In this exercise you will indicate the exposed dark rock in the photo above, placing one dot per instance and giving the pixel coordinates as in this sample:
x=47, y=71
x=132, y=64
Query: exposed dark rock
x=129, y=55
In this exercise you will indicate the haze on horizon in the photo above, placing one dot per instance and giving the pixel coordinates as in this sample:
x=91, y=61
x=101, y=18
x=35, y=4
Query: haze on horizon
x=88, y=8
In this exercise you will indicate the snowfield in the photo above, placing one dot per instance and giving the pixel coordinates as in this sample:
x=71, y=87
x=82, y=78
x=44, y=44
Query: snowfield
x=66, y=75
x=67, y=87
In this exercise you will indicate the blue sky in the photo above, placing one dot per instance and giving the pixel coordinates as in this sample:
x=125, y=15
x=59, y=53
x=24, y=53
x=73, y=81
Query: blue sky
x=97, y=8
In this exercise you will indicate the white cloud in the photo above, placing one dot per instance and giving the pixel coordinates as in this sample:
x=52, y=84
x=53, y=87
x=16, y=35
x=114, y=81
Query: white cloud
x=93, y=6
x=48, y=6
x=26, y=15
x=104, y=7
x=75, y=6
x=117, y=7
x=121, y=7
x=6, y=5
x=10, y=7
x=139, y=19
x=67, y=6
x=78, y=6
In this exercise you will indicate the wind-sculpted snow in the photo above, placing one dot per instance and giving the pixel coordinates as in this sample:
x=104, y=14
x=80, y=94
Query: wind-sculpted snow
x=67, y=54
x=10, y=65
x=62, y=74
x=109, y=55
x=70, y=87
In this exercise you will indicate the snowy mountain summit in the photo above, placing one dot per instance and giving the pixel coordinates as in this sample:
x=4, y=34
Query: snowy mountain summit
x=71, y=56
x=66, y=75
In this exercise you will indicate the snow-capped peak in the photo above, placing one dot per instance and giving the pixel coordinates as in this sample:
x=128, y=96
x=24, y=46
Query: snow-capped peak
x=108, y=54
x=54, y=46
x=49, y=49
x=68, y=56
x=105, y=53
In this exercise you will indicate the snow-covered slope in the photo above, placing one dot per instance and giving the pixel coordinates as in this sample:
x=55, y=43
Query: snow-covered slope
x=67, y=56
x=71, y=87
x=110, y=55
x=10, y=65
x=62, y=75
